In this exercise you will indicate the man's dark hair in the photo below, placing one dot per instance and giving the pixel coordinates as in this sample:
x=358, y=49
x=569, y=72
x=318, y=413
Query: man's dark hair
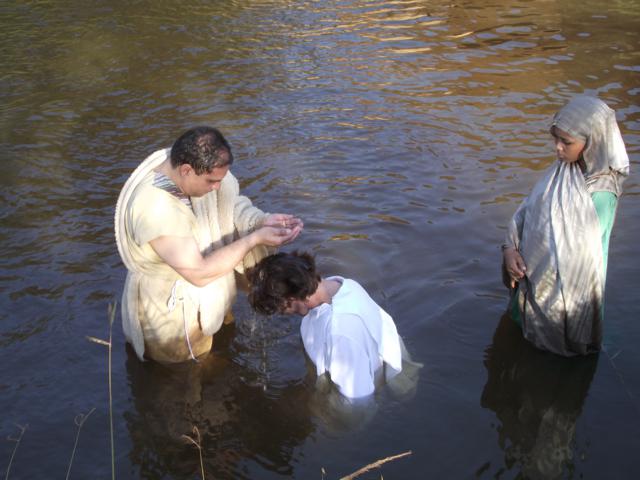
x=204, y=148
x=279, y=278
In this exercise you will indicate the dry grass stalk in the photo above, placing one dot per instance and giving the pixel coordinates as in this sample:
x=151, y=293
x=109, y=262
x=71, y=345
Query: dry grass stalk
x=99, y=341
x=17, y=440
x=112, y=315
x=79, y=421
x=197, y=443
x=375, y=464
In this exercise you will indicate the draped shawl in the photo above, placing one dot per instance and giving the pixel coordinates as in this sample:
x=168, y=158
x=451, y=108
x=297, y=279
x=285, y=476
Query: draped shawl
x=557, y=232
x=217, y=218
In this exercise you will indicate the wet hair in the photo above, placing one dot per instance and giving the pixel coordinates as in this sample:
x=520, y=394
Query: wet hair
x=203, y=148
x=280, y=278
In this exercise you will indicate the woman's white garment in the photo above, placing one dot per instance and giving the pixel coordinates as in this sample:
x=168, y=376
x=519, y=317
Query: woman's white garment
x=557, y=232
x=351, y=339
x=160, y=308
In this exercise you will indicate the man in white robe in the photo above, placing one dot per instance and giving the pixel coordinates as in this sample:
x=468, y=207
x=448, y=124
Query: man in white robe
x=182, y=229
x=345, y=333
x=351, y=338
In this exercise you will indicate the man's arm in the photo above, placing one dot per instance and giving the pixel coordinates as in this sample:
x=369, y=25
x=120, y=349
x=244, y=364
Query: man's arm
x=183, y=255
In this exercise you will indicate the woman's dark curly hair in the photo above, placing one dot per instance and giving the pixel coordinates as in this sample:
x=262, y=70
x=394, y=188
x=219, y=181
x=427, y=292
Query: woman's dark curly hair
x=280, y=278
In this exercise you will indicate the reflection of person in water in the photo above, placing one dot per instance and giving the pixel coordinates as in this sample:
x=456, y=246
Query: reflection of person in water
x=238, y=421
x=538, y=398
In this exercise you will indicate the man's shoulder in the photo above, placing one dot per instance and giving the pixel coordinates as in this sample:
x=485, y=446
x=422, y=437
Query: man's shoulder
x=146, y=191
x=155, y=204
x=352, y=295
x=145, y=171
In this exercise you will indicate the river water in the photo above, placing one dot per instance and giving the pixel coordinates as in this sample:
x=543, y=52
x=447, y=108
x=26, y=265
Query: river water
x=404, y=133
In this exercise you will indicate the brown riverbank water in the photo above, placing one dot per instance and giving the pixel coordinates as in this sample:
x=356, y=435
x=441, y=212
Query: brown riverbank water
x=404, y=133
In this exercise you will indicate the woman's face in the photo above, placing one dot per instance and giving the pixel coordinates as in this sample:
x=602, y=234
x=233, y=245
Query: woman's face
x=568, y=148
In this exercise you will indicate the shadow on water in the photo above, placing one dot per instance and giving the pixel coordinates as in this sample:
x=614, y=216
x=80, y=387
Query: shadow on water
x=238, y=420
x=255, y=401
x=538, y=398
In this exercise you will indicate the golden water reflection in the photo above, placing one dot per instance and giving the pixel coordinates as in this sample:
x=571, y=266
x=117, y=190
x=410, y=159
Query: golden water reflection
x=404, y=133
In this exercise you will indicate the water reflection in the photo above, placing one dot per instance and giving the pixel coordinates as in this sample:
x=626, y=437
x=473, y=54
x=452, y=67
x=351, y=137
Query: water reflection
x=271, y=353
x=403, y=132
x=251, y=400
x=538, y=398
x=240, y=422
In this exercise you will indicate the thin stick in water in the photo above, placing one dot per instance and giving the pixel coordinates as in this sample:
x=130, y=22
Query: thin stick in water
x=79, y=421
x=112, y=316
x=17, y=440
x=198, y=443
x=375, y=464
x=111, y=310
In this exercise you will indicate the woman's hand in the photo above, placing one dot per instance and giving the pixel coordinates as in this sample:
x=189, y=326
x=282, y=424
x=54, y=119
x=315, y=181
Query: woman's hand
x=514, y=263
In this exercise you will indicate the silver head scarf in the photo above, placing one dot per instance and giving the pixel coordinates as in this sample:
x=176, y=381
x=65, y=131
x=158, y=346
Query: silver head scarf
x=557, y=232
x=606, y=163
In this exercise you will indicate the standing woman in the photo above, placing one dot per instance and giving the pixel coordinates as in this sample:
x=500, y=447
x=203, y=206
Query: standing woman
x=555, y=254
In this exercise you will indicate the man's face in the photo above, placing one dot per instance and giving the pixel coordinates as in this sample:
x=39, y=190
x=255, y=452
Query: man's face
x=568, y=148
x=199, y=185
x=298, y=307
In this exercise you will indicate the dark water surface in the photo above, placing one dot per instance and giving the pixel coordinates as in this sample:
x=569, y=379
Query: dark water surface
x=404, y=133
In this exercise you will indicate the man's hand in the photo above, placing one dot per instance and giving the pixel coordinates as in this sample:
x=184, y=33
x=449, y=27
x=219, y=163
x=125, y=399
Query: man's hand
x=284, y=221
x=276, y=236
x=514, y=263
